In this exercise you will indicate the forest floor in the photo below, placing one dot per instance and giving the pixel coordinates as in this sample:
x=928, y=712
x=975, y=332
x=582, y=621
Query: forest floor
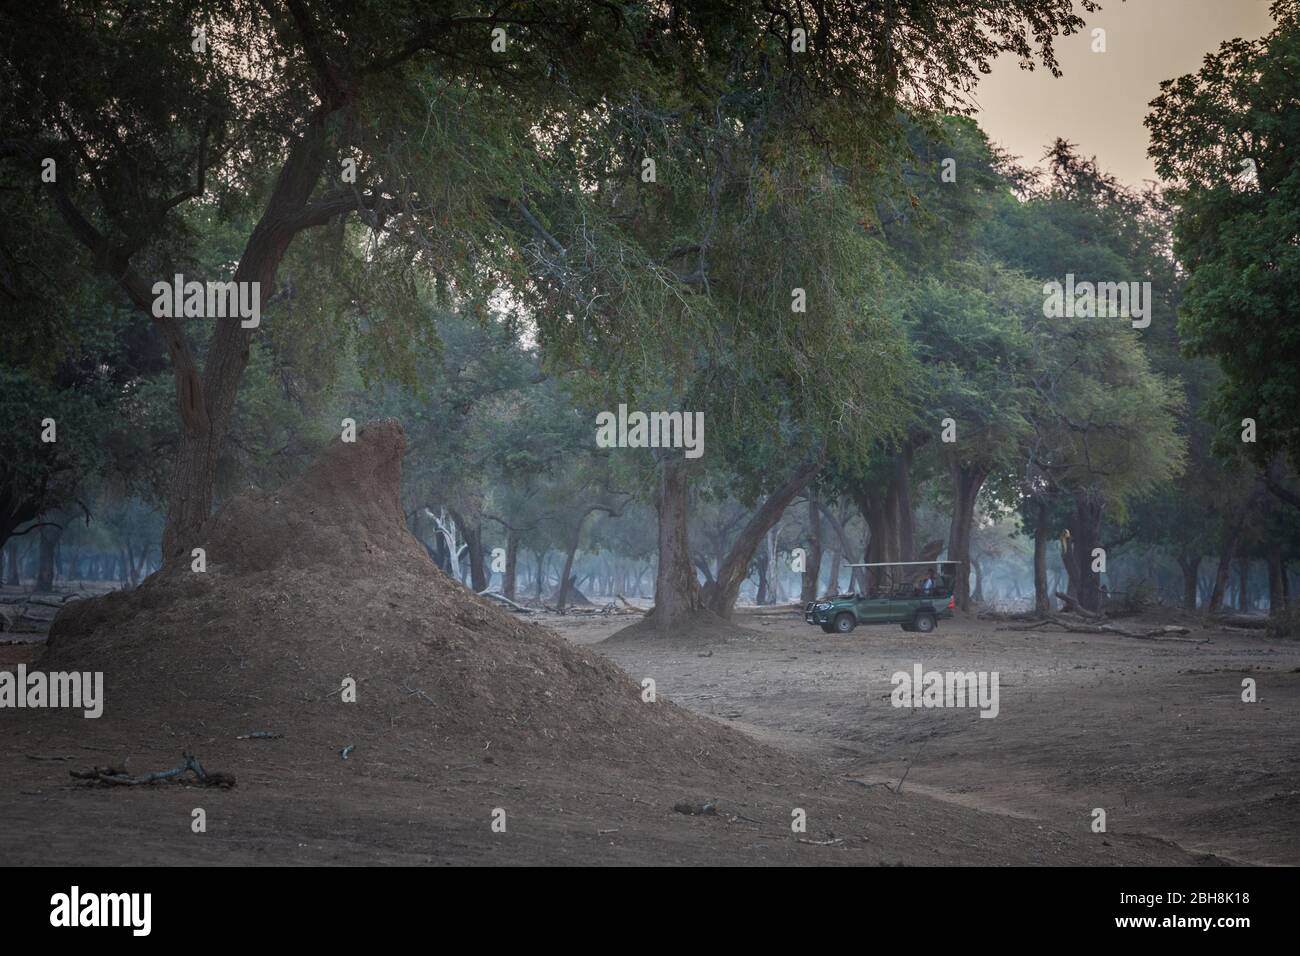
x=1154, y=732
x=373, y=711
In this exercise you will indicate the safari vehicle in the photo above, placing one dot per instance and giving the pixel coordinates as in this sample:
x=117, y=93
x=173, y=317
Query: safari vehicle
x=898, y=596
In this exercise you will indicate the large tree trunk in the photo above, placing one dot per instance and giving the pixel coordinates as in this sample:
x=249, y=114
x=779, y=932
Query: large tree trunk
x=734, y=570
x=206, y=406
x=1191, y=568
x=45, y=568
x=473, y=535
x=813, y=565
x=1227, y=552
x=881, y=544
x=1042, y=597
x=900, y=502
x=761, y=563
x=966, y=483
x=677, y=591
x=539, y=581
x=562, y=597
x=509, y=578
x=1276, y=580
x=1243, y=585
x=1085, y=582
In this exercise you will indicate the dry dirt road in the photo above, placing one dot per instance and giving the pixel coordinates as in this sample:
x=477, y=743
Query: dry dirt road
x=1153, y=732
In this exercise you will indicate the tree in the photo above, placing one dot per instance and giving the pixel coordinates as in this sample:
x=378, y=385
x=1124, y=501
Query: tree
x=261, y=108
x=1229, y=135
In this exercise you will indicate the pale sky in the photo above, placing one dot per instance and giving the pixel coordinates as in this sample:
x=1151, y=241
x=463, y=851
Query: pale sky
x=1101, y=99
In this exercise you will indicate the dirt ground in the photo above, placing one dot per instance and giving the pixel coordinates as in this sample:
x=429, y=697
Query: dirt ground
x=1153, y=732
x=372, y=710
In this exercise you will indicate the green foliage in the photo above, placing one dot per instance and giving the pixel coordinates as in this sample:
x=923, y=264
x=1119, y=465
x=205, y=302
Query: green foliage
x=1229, y=135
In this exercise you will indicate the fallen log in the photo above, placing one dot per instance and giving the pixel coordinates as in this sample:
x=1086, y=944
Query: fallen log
x=517, y=608
x=1251, y=621
x=1074, y=607
x=115, y=776
x=1151, y=634
x=632, y=607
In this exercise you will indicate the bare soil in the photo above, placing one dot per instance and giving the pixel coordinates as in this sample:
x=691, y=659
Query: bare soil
x=1154, y=732
x=465, y=712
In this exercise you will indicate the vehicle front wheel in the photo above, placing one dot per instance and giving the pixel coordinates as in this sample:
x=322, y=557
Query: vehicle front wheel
x=924, y=623
x=845, y=622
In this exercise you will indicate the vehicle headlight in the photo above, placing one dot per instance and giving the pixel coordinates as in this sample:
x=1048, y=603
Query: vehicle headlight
x=821, y=607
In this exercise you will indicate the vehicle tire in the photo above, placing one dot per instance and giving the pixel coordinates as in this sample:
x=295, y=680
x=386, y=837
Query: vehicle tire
x=923, y=622
x=845, y=622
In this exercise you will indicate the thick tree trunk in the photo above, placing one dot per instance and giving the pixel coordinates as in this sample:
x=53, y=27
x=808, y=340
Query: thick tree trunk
x=1086, y=583
x=1276, y=580
x=509, y=578
x=813, y=564
x=539, y=581
x=45, y=568
x=206, y=407
x=966, y=483
x=1191, y=568
x=1221, y=573
x=1243, y=585
x=900, y=501
x=677, y=591
x=760, y=565
x=562, y=598
x=882, y=538
x=1228, y=550
x=1042, y=597
x=473, y=535
x=734, y=570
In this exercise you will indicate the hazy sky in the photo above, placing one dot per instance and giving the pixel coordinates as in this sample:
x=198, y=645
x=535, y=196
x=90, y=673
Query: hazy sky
x=1101, y=99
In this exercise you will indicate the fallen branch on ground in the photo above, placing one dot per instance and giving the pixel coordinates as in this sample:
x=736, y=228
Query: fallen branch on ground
x=632, y=607
x=517, y=608
x=114, y=776
x=1248, y=621
x=1074, y=607
x=1164, y=631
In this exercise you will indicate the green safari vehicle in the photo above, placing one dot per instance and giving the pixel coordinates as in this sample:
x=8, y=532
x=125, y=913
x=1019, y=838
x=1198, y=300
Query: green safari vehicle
x=914, y=599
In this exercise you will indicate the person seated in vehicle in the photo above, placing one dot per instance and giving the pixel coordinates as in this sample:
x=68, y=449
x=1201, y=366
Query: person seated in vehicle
x=927, y=583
